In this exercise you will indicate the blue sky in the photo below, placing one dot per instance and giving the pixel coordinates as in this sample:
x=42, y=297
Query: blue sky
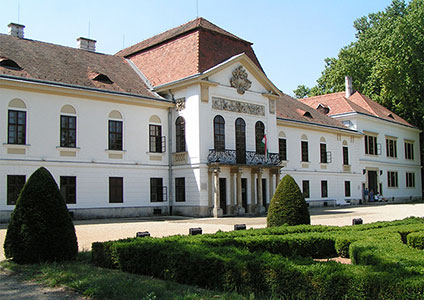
x=290, y=38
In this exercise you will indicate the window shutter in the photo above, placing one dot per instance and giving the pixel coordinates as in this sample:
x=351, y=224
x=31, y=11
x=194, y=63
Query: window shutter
x=165, y=193
x=329, y=157
x=163, y=144
x=378, y=149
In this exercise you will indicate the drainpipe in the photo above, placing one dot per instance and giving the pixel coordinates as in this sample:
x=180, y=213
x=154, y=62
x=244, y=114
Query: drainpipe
x=170, y=157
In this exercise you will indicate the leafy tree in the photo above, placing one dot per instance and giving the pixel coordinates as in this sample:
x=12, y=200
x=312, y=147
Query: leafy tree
x=302, y=91
x=288, y=206
x=386, y=62
x=40, y=228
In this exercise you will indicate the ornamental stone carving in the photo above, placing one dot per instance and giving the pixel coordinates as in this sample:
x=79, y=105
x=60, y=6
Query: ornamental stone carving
x=238, y=106
x=180, y=104
x=240, y=81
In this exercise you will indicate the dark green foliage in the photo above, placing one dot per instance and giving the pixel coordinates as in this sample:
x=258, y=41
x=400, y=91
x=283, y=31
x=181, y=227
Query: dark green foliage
x=416, y=240
x=288, y=206
x=40, y=227
x=342, y=246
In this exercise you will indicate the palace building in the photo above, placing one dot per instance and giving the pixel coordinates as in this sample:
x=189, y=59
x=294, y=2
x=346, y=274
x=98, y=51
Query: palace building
x=187, y=123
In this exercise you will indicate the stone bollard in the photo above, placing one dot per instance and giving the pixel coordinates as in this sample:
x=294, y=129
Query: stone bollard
x=240, y=227
x=195, y=231
x=357, y=221
x=142, y=234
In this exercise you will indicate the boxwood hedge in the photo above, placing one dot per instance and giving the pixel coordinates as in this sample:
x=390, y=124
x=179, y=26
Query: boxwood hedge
x=278, y=262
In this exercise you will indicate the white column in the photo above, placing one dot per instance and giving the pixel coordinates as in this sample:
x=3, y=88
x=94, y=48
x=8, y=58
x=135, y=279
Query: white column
x=217, y=211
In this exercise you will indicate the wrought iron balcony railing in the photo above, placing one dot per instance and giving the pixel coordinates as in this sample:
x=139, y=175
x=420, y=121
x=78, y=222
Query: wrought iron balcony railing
x=231, y=157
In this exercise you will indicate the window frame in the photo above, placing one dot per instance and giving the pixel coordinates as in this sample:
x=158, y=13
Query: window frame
x=19, y=135
x=409, y=150
x=14, y=188
x=115, y=140
x=219, y=133
x=66, y=132
x=180, y=194
x=68, y=189
x=345, y=155
x=392, y=179
x=180, y=136
x=259, y=136
x=156, y=189
x=240, y=138
x=155, y=138
x=304, y=151
x=323, y=153
x=282, y=149
x=410, y=179
x=391, y=148
x=306, y=191
x=347, y=188
x=371, y=147
x=324, y=189
x=116, y=189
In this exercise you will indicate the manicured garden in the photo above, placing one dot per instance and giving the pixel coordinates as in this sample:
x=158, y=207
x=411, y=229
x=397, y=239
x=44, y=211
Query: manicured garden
x=278, y=262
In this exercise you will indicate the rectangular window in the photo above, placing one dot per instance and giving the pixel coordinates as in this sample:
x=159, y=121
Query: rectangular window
x=392, y=179
x=116, y=189
x=324, y=189
x=305, y=155
x=347, y=188
x=371, y=145
x=305, y=188
x=68, y=189
x=155, y=138
x=391, y=148
x=15, y=183
x=345, y=156
x=282, y=149
x=410, y=179
x=323, y=153
x=156, y=190
x=68, y=131
x=409, y=150
x=180, y=189
x=115, y=135
x=16, y=127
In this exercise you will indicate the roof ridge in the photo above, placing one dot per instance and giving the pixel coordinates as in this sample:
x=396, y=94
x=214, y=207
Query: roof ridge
x=368, y=107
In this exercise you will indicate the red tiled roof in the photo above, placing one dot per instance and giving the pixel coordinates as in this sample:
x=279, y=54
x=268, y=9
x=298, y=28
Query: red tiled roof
x=174, y=32
x=65, y=65
x=292, y=109
x=339, y=104
x=187, y=50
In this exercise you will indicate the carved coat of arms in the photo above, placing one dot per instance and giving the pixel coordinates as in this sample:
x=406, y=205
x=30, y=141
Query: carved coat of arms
x=240, y=81
x=180, y=104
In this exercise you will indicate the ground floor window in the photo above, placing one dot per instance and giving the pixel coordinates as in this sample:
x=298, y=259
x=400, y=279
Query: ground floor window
x=392, y=179
x=15, y=183
x=156, y=190
x=324, y=189
x=347, y=188
x=68, y=189
x=180, y=189
x=410, y=179
x=116, y=189
x=305, y=188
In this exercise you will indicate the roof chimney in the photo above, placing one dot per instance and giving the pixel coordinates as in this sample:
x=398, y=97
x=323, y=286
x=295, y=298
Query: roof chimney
x=86, y=44
x=16, y=30
x=348, y=86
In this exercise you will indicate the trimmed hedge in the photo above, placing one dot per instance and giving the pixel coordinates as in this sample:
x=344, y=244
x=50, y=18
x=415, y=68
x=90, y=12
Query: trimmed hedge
x=277, y=262
x=416, y=240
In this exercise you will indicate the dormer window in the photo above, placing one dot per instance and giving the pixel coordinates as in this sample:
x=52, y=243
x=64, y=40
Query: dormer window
x=324, y=109
x=9, y=64
x=391, y=116
x=103, y=79
x=308, y=115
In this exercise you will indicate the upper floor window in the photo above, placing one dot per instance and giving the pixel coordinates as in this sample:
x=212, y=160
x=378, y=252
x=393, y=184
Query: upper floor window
x=180, y=141
x=410, y=179
x=323, y=153
x=115, y=131
x=409, y=150
x=392, y=179
x=219, y=133
x=240, y=141
x=282, y=148
x=304, y=149
x=391, y=147
x=345, y=155
x=16, y=129
x=371, y=145
x=155, y=138
x=260, y=137
x=68, y=127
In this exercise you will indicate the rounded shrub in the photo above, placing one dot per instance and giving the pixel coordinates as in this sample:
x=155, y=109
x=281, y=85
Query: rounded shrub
x=40, y=228
x=288, y=206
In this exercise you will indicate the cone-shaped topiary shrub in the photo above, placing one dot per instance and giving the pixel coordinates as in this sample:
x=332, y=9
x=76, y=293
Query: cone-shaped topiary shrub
x=288, y=206
x=40, y=228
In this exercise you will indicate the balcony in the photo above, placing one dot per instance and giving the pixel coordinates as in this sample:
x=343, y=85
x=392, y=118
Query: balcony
x=231, y=157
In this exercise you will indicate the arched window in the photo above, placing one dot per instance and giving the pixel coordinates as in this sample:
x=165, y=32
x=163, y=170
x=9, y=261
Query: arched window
x=115, y=130
x=260, y=137
x=240, y=141
x=16, y=131
x=156, y=140
x=180, y=135
x=219, y=133
x=68, y=127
